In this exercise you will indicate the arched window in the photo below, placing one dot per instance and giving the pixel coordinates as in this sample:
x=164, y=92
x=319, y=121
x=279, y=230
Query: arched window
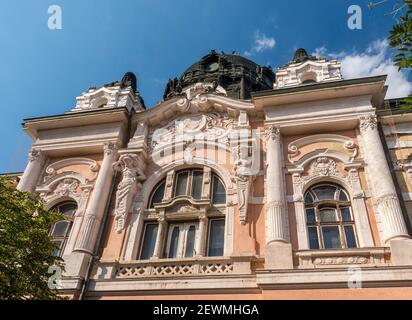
x=181, y=237
x=190, y=183
x=61, y=229
x=329, y=218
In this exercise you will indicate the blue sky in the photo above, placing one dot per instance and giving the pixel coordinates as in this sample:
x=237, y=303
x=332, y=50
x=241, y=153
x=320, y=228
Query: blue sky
x=42, y=71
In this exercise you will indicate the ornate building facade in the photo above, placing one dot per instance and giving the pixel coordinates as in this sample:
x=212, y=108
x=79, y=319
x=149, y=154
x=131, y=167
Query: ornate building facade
x=243, y=183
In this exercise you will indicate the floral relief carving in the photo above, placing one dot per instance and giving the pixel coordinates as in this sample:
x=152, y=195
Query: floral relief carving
x=340, y=260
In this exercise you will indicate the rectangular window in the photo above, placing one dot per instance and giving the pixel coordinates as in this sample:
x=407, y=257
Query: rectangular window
x=310, y=216
x=219, y=193
x=327, y=215
x=181, y=240
x=149, y=241
x=197, y=184
x=331, y=238
x=346, y=216
x=216, y=238
x=181, y=184
x=313, y=238
x=350, y=237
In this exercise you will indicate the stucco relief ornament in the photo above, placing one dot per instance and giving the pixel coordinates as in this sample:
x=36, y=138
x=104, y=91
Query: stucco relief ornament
x=324, y=166
x=35, y=155
x=65, y=188
x=243, y=178
x=128, y=164
x=272, y=132
x=368, y=122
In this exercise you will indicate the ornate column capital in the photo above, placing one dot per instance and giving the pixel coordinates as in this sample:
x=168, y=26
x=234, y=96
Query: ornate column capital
x=367, y=122
x=35, y=155
x=110, y=148
x=272, y=133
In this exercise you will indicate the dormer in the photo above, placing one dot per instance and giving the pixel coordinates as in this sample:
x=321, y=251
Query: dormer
x=305, y=69
x=118, y=94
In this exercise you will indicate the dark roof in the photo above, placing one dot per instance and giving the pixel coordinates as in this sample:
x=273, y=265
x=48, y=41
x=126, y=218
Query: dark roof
x=238, y=75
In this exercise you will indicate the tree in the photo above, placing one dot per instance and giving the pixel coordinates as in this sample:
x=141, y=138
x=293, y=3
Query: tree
x=26, y=249
x=400, y=39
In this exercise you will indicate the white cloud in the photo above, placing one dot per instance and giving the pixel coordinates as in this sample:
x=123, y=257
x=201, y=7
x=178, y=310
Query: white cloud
x=375, y=60
x=261, y=43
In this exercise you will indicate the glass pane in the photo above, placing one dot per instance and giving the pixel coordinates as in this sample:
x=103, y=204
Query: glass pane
x=58, y=243
x=60, y=228
x=68, y=209
x=308, y=198
x=174, y=242
x=181, y=184
x=331, y=238
x=325, y=192
x=158, y=195
x=190, y=241
x=310, y=216
x=197, y=184
x=343, y=196
x=149, y=241
x=219, y=192
x=350, y=237
x=313, y=238
x=327, y=215
x=216, y=238
x=346, y=216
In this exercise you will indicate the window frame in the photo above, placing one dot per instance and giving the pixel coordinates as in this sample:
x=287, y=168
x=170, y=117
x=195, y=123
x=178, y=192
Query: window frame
x=208, y=238
x=70, y=219
x=142, y=241
x=337, y=205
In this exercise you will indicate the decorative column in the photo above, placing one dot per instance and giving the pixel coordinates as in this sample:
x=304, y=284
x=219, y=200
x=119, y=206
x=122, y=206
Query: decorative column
x=97, y=203
x=276, y=220
x=76, y=263
x=278, y=250
x=201, y=239
x=380, y=178
x=32, y=172
x=161, y=230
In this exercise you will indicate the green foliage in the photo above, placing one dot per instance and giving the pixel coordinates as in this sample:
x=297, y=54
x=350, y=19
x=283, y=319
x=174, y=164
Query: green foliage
x=401, y=39
x=25, y=245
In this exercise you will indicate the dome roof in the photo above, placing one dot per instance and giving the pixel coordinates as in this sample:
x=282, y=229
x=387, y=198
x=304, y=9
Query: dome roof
x=237, y=75
x=301, y=55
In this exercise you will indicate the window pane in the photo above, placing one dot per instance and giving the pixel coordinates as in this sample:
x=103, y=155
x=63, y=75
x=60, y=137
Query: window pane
x=60, y=228
x=313, y=238
x=174, y=242
x=158, y=195
x=181, y=184
x=216, y=238
x=343, y=196
x=59, y=243
x=308, y=198
x=346, y=216
x=310, y=216
x=68, y=209
x=219, y=192
x=190, y=241
x=325, y=192
x=350, y=237
x=327, y=215
x=149, y=241
x=197, y=184
x=331, y=238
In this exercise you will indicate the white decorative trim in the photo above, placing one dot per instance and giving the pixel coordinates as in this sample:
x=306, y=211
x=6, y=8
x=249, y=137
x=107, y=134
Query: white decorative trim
x=52, y=169
x=348, y=144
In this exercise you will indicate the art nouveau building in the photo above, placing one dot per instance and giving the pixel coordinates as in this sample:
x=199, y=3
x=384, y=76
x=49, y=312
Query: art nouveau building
x=242, y=183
